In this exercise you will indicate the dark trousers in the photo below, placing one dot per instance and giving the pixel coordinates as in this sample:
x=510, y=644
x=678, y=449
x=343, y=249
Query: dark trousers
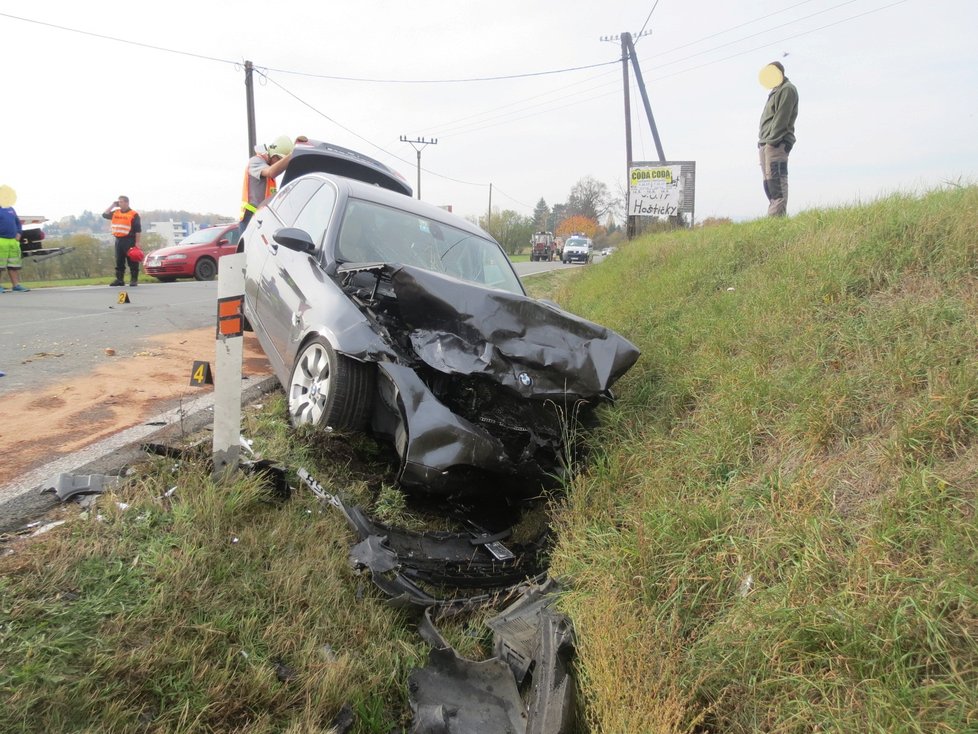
x=121, y=260
x=774, y=168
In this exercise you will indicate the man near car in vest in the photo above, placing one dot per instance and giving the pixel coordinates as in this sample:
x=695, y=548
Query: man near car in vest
x=259, y=179
x=776, y=137
x=126, y=229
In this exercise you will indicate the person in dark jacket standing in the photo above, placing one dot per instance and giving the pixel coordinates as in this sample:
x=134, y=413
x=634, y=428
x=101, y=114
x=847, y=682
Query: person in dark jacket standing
x=776, y=137
x=126, y=229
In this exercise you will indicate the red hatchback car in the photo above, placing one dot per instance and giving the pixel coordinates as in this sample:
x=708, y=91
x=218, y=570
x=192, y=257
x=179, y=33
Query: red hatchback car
x=196, y=256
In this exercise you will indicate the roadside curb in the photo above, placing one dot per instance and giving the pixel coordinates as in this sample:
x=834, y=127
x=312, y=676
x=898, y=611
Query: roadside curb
x=22, y=500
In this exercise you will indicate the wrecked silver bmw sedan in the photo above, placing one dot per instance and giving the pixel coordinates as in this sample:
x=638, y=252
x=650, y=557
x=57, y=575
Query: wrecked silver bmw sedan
x=380, y=312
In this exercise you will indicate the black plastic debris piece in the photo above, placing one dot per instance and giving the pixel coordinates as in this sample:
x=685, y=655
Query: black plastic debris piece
x=162, y=449
x=67, y=486
x=343, y=721
x=461, y=560
x=452, y=695
x=399, y=560
x=551, y=699
x=273, y=475
x=534, y=643
x=283, y=672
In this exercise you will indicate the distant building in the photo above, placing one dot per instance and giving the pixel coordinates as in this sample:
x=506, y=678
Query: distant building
x=173, y=232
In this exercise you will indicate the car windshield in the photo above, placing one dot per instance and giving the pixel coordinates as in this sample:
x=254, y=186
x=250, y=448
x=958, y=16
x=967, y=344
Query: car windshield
x=201, y=236
x=374, y=233
x=576, y=242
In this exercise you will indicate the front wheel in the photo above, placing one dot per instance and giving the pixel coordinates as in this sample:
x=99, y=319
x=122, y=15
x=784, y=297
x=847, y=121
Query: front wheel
x=330, y=389
x=205, y=269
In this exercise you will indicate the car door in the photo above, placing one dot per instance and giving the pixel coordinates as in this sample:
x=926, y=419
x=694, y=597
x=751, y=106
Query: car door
x=292, y=282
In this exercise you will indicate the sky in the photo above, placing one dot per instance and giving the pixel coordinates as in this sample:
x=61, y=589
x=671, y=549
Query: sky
x=148, y=99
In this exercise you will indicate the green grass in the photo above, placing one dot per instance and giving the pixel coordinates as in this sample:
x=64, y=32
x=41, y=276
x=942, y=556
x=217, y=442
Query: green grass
x=105, y=280
x=783, y=525
x=216, y=610
x=776, y=530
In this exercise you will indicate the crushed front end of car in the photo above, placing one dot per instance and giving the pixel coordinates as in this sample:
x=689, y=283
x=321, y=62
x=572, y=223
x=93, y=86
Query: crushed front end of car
x=487, y=387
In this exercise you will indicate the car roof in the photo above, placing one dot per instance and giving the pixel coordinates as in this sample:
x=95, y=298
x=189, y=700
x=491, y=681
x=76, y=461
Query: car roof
x=367, y=192
x=317, y=156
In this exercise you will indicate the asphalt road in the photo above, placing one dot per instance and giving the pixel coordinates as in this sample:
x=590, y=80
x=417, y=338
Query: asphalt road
x=52, y=333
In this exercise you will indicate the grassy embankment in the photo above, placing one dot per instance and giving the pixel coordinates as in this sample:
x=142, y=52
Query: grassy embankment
x=776, y=533
x=781, y=532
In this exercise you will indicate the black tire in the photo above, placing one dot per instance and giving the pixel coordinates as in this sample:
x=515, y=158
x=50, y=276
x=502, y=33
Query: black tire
x=330, y=389
x=205, y=269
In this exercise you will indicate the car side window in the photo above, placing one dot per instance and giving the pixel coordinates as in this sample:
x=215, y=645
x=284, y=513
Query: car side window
x=315, y=215
x=289, y=201
x=233, y=235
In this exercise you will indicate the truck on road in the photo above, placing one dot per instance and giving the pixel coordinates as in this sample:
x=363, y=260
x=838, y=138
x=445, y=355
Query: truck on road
x=543, y=247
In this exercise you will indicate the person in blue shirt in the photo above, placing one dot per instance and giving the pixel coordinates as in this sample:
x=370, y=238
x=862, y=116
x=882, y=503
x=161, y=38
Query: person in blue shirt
x=10, y=232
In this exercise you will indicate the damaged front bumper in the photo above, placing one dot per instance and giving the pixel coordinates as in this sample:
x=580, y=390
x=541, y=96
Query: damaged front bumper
x=485, y=383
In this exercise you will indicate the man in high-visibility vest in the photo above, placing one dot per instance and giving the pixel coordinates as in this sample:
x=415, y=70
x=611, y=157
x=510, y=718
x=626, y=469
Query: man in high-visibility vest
x=259, y=180
x=126, y=229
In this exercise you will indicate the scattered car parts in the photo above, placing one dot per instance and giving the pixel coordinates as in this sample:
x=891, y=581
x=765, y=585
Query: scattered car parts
x=534, y=648
x=410, y=567
x=67, y=486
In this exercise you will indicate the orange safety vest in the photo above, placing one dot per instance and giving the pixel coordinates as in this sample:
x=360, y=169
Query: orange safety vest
x=270, y=188
x=122, y=222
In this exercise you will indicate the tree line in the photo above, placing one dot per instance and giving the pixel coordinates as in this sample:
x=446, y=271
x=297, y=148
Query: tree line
x=588, y=204
x=590, y=209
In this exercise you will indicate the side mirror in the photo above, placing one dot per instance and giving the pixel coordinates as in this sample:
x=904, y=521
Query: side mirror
x=294, y=239
x=223, y=241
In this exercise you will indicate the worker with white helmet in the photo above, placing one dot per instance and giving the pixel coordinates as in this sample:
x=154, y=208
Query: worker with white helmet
x=259, y=182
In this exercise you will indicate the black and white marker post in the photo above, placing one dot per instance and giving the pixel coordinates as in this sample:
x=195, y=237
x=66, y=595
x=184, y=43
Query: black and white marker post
x=227, y=363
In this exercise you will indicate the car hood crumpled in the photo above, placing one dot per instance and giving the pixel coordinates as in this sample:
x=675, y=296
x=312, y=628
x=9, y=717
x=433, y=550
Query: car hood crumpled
x=534, y=348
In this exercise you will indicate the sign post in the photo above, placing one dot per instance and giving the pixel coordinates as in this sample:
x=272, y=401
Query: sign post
x=228, y=361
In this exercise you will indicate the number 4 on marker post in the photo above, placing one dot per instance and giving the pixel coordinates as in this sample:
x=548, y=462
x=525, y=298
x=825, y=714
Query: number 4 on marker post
x=201, y=374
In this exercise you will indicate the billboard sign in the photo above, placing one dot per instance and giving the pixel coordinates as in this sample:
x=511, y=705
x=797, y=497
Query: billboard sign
x=660, y=190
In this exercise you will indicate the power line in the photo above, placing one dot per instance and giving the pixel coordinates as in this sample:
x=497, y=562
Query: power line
x=680, y=72
x=105, y=37
x=358, y=135
x=761, y=33
x=731, y=28
x=645, y=24
x=521, y=203
x=165, y=49
x=449, y=125
x=526, y=75
x=772, y=43
x=523, y=108
x=463, y=129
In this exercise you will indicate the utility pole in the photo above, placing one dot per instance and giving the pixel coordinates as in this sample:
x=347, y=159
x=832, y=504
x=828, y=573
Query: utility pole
x=250, y=104
x=626, y=43
x=628, y=52
x=489, y=213
x=414, y=144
